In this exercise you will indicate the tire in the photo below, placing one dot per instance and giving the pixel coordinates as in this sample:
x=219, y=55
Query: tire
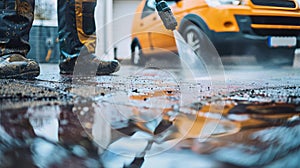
x=200, y=43
x=193, y=35
x=137, y=56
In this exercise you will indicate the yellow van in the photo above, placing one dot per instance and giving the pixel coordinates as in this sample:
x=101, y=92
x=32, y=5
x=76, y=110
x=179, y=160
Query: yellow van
x=264, y=28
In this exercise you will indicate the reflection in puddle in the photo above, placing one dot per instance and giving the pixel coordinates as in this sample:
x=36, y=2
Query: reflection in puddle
x=44, y=121
x=144, y=116
x=101, y=129
x=46, y=154
x=271, y=147
x=214, y=120
x=45, y=136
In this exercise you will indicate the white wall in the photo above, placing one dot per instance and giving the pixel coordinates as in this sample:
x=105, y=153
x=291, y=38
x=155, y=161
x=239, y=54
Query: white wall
x=117, y=16
x=123, y=11
x=103, y=16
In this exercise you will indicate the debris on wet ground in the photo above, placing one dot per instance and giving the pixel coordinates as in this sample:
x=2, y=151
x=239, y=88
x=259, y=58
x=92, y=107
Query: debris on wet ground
x=18, y=94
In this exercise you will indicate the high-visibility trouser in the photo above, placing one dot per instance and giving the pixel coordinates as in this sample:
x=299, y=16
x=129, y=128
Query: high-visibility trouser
x=76, y=26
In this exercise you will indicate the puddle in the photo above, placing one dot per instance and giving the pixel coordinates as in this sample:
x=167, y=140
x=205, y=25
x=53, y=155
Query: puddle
x=44, y=121
x=271, y=147
x=146, y=117
x=45, y=136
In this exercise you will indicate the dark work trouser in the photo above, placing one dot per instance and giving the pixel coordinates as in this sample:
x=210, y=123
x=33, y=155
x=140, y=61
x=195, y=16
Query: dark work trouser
x=16, y=18
x=76, y=26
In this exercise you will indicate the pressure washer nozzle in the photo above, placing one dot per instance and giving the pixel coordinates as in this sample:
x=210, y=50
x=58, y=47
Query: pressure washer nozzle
x=166, y=14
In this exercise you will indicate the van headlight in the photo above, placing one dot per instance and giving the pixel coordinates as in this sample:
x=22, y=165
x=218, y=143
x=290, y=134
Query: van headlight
x=224, y=2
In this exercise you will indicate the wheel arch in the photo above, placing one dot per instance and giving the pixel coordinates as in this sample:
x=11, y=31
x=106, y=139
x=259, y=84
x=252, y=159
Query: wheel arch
x=134, y=42
x=142, y=60
x=196, y=20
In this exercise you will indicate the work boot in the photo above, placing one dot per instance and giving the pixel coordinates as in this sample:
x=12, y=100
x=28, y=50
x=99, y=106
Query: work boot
x=88, y=64
x=17, y=66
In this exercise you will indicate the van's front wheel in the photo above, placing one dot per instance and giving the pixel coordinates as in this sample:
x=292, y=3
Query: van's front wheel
x=193, y=35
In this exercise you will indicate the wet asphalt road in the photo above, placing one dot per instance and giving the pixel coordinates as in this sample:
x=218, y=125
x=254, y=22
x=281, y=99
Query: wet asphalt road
x=244, y=116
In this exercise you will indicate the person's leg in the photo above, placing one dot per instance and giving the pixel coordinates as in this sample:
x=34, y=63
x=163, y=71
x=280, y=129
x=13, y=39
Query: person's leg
x=16, y=19
x=76, y=29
